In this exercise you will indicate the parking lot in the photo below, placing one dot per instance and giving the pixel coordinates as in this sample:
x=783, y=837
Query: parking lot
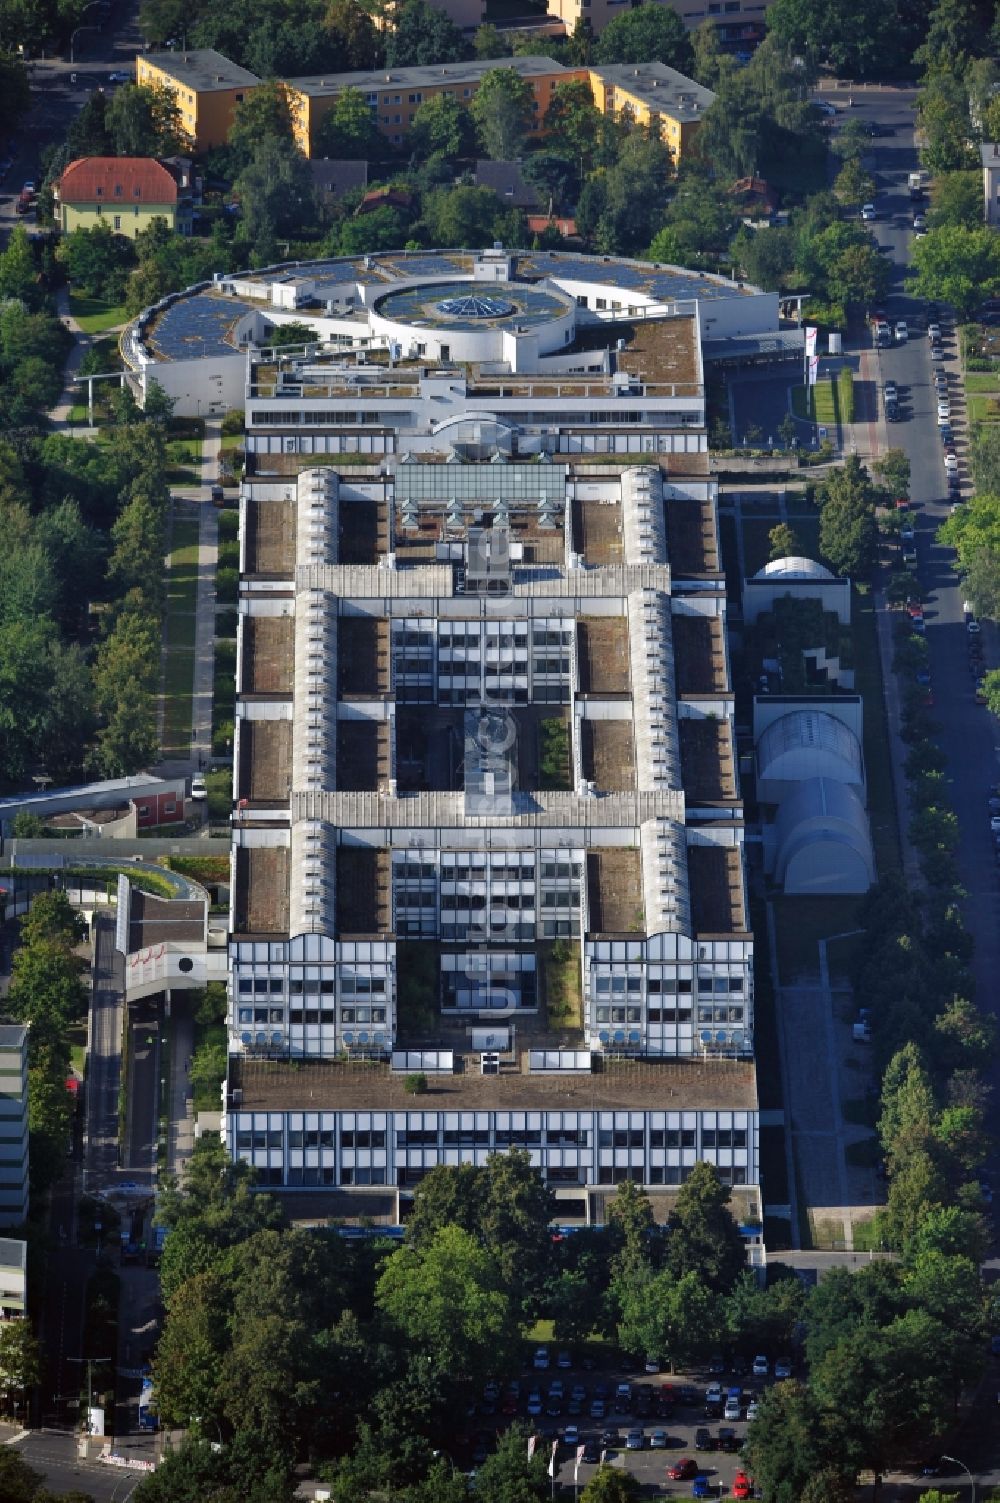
x=663, y=1411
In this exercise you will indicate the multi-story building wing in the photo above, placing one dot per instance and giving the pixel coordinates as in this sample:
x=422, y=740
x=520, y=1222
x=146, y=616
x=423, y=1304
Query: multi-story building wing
x=13, y=1124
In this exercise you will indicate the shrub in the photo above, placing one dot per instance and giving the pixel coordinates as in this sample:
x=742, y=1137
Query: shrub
x=415, y=1085
x=227, y=586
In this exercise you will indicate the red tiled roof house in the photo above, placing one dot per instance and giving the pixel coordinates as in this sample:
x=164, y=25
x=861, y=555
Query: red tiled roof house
x=125, y=193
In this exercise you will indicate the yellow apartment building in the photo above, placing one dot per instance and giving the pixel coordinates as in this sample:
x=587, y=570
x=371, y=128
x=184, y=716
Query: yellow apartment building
x=651, y=94
x=394, y=95
x=735, y=19
x=206, y=86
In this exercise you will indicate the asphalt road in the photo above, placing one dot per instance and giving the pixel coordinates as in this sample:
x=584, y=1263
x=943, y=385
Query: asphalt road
x=968, y=733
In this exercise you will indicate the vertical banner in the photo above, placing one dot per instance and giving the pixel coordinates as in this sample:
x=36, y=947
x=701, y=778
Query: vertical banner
x=532, y=1442
x=811, y=332
x=813, y=370
x=552, y=1459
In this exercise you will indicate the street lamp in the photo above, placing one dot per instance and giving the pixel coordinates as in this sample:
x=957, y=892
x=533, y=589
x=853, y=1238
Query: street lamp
x=972, y=1481
x=72, y=40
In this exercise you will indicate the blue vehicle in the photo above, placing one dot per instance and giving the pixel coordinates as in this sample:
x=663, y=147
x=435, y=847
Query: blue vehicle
x=701, y=1487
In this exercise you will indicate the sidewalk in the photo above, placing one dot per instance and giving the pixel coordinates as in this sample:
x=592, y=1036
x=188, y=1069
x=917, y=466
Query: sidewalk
x=204, y=642
x=73, y=394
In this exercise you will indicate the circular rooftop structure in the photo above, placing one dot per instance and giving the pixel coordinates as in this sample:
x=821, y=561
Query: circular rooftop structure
x=476, y=306
x=794, y=567
x=460, y=307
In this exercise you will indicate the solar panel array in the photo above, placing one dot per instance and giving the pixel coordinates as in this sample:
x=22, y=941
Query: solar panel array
x=665, y=285
x=195, y=328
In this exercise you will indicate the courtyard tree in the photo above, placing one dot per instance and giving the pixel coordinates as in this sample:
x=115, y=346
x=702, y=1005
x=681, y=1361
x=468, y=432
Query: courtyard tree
x=501, y=109
x=704, y=1238
x=784, y=542
x=847, y=533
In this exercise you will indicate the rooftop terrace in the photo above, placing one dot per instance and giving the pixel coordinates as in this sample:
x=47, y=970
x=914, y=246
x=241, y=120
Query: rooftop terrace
x=268, y=660
x=715, y=874
x=654, y=1085
x=261, y=890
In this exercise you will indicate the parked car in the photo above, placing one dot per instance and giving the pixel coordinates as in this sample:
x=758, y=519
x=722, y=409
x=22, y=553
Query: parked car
x=919, y=221
x=972, y=626
x=591, y=1452
x=782, y=1369
x=951, y=461
x=902, y=332
x=556, y=1388
x=564, y=1360
x=703, y=1439
x=534, y=1402
x=571, y=1436
x=540, y=1361
x=634, y=1440
x=733, y=1409
x=682, y=1469
x=598, y=1409
x=728, y=1440
x=701, y=1487
x=199, y=791
x=742, y=1486
x=119, y=77
x=753, y=1409
x=868, y=212
x=937, y=353
x=658, y=1440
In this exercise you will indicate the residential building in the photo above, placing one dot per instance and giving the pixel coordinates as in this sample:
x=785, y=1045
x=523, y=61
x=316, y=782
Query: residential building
x=333, y=178
x=13, y=1279
x=13, y=1124
x=206, y=86
x=127, y=194
x=394, y=96
x=507, y=181
x=740, y=23
x=654, y=96
x=466, y=14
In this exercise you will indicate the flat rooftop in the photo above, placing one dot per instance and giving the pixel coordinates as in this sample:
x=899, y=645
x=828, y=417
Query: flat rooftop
x=699, y=654
x=614, y=891
x=597, y=532
x=708, y=766
x=270, y=536
x=715, y=876
x=155, y=921
x=268, y=655
x=636, y=1084
x=265, y=767
x=202, y=69
x=692, y=540
x=261, y=890
x=429, y=75
x=602, y=645
x=661, y=88
x=661, y=351
x=608, y=753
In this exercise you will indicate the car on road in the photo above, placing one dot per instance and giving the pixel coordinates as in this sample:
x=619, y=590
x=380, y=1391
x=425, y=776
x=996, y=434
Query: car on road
x=198, y=789
x=682, y=1469
x=995, y=823
x=907, y=533
x=972, y=626
x=919, y=625
x=902, y=332
x=920, y=221
x=716, y=1364
x=119, y=77
x=868, y=211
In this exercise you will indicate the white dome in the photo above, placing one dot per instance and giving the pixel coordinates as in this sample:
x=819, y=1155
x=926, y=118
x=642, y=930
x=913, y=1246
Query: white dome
x=822, y=841
x=794, y=568
x=810, y=744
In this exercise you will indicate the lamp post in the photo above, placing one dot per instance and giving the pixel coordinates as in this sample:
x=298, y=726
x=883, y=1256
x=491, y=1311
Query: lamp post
x=972, y=1481
x=72, y=40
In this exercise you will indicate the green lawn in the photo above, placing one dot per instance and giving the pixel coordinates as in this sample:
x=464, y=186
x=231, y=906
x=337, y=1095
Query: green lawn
x=95, y=316
x=982, y=381
x=178, y=673
x=231, y=441
x=184, y=461
x=984, y=409
x=868, y=683
x=818, y=404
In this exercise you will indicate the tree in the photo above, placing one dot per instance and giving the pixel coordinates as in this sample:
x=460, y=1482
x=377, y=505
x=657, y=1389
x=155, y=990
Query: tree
x=847, y=532
x=20, y=1360
x=51, y=919
x=509, y=1475
x=442, y=128
x=144, y=122
x=957, y=198
x=704, y=1238
x=489, y=43
x=15, y=92
x=893, y=470
x=575, y=127
x=446, y=1298
x=275, y=192
x=611, y=1485
x=385, y=228
x=784, y=542
x=348, y=130
x=352, y=33
x=956, y=265
x=766, y=256
x=790, y=1441
x=630, y=197
x=677, y=1319
x=502, y=111
x=853, y=185
x=422, y=34
x=97, y=261
x=462, y=216
x=853, y=39
x=649, y=34
x=261, y=115
x=710, y=64
x=630, y=1218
